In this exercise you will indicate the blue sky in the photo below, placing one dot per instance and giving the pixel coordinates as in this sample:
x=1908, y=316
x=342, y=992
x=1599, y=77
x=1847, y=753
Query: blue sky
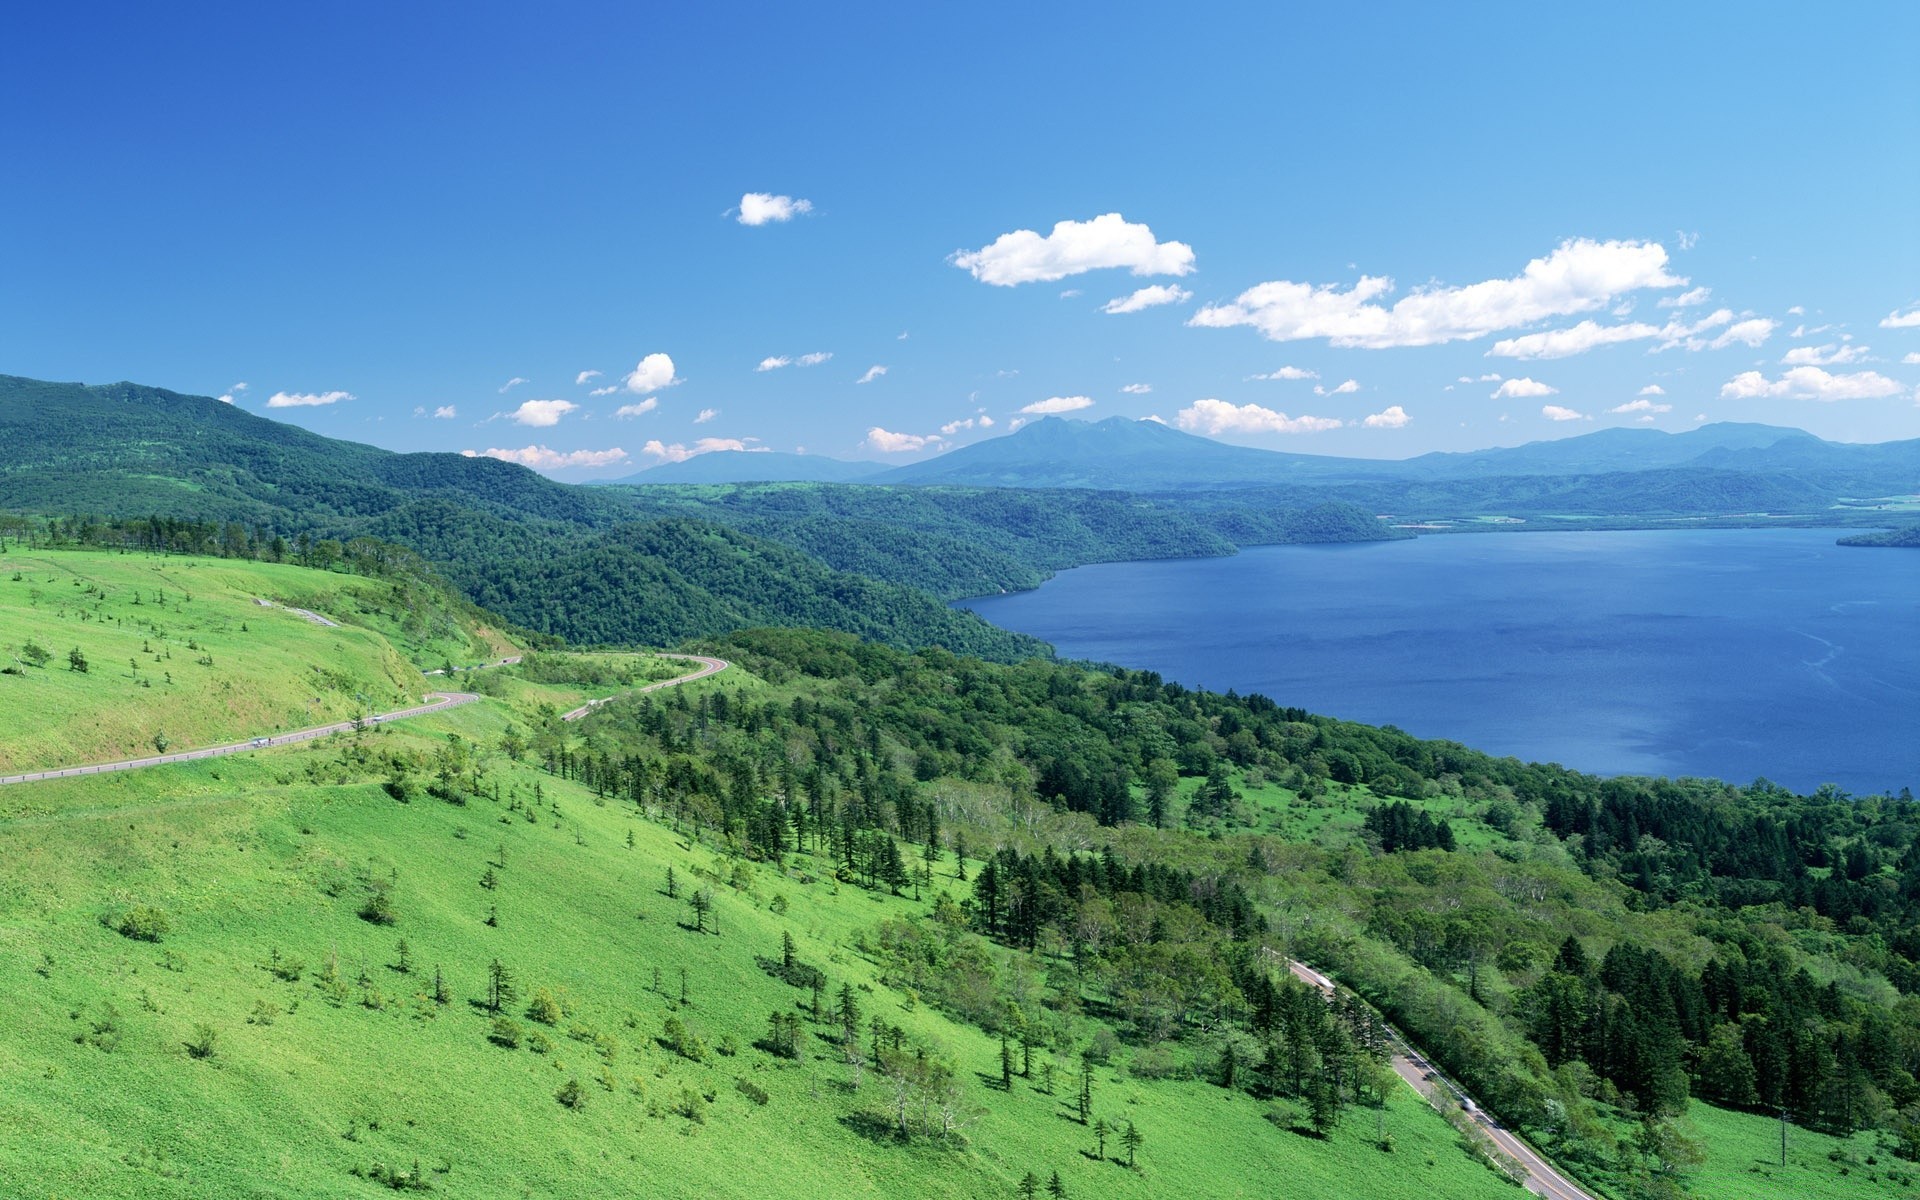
x=419, y=228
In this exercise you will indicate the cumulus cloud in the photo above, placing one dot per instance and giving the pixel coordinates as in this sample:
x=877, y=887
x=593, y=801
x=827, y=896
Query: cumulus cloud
x=979, y=420
x=1343, y=389
x=1393, y=418
x=816, y=358
x=1522, y=388
x=1137, y=389
x=1653, y=389
x=1057, y=404
x=1896, y=319
x=874, y=372
x=640, y=409
x=676, y=452
x=1641, y=406
x=226, y=398
x=1148, y=297
x=654, y=372
x=542, y=459
x=1553, y=412
x=609, y=390
x=1577, y=339
x=706, y=414
x=1289, y=372
x=1811, y=383
x=1829, y=355
x=1686, y=299
x=585, y=376
x=774, y=362
x=446, y=412
x=1109, y=240
x=510, y=384
x=888, y=442
x=1751, y=332
x=1580, y=275
x=1214, y=417
x=542, y=413
x=306, y=399
x=1912, y=359
x=758, y=208
x=239, y=387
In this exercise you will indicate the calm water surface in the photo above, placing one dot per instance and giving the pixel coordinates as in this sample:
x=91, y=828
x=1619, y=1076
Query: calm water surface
x=1725, y=653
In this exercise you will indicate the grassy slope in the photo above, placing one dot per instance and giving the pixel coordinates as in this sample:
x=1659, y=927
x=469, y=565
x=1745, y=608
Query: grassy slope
x=271, y=670
x=243, y=851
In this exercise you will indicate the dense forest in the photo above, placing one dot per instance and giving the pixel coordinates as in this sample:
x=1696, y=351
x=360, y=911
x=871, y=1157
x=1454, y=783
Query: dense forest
x=1610, y=946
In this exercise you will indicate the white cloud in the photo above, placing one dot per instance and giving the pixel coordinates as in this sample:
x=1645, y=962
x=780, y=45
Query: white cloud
x=1214, y=417
x=1057, y=404
x=1553, y=412
x=1522, y=389
x=239, y=387
x=1014, y=425
x=706, y=414
x=226, y=398
x=953, y=427
x=1687, y=299
x=1829, y=355
x=758, y=208
x=1137, y=389
x=1023, y=256
x=306, y=399
x=1578, y=339
x=887, y=442
x=1653, y=389
x=640, y=409
x=542, y=459
x=542, y=413
x=1752, y=332
x=1148, y=297
x=584, y=376
x=1687, y=241
x=609, y=390
x=1393, y=418
x=1896, y=319
x=1289, y=372
x=1641, y=406
x=1811, y=383
x=1912, y=359
x=654, y=372
x=774, y=362
x=1797, y=310
x=1489, y=377
x=676, y=452
x=510, y=384
x=1344, y=389
x=814, y=359
x=1580, y=275
x=446, y=412
x=874, y=372
x=1071, y=293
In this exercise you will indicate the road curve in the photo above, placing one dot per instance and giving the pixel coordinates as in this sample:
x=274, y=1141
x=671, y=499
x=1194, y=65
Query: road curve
x=1428, y=1081
x=436, y=702
x=708, y=666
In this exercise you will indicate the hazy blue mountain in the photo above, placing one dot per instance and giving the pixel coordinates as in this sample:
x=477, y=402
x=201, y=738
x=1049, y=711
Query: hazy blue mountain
x=755, y=466
x=1143, y=456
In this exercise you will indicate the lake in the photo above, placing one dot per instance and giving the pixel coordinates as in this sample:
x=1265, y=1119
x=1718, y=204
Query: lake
x=1732, y=654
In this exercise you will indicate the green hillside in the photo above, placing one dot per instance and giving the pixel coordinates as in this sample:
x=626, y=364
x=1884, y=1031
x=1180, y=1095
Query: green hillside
x=180, y=652
x=269, y=1043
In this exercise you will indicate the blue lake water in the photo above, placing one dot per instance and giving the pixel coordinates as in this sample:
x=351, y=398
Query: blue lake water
x=1733, y=654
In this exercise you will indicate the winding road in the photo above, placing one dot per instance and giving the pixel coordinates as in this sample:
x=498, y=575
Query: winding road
x=436, y=701
x=1428, y=1081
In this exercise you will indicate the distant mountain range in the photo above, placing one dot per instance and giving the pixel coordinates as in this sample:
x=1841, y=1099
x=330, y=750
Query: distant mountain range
x=755, y=466
x=1147, y=456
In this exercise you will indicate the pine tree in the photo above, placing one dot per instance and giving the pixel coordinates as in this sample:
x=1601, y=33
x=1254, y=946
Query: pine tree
x=673, y=885
x=1086, y=1089
x=1055, y=1187
x=442, y=994
x=1131, y=1139
x=786, y=951
x=500, y=988
x=1100, y=1132
x=1029, y=1186
x=1006, y=1062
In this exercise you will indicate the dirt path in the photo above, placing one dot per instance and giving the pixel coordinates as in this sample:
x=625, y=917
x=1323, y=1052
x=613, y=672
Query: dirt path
x=708, y=666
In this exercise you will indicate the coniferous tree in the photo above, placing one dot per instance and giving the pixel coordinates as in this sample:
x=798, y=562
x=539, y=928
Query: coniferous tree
x=1056, y=1188
x=1131, y=1139
x=500, y=986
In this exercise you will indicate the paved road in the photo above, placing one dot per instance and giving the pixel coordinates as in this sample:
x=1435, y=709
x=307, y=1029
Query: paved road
x=708, y=666
x=1427, y=1080
x=437, y=701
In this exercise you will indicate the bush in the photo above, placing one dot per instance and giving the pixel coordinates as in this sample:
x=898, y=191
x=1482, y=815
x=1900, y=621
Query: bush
x=506, y=1032
x=571, y=1095
x=377, y=908
x=201, y=1044
x=544, y=1008
x=142, y=923
x=751, y=1090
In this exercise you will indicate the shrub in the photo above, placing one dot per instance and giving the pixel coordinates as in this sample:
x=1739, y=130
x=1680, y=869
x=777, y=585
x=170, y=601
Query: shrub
x=142, y=923
x=751, y=1090
x=201, y=1045
x=377, y=908
x=506, y=1032
x=571, y=1095
x=544, y=1008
